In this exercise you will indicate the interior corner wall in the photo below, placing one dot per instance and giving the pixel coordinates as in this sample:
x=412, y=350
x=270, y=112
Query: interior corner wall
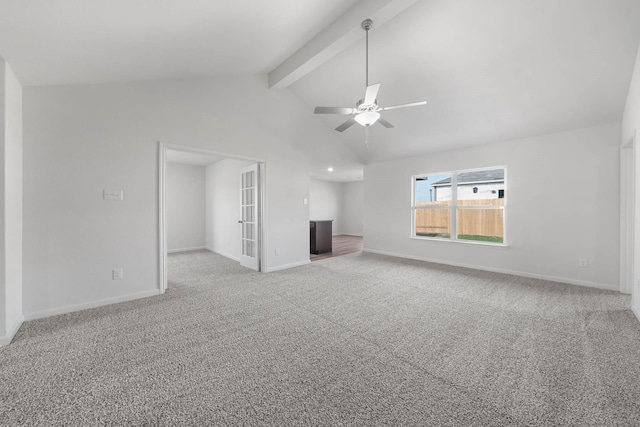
x=353, y=208
x=82, y=139
x=326, y=202
x=11, y=183
x=185, y=207
x=631, y=126
x=223, y=233
x=562, y=205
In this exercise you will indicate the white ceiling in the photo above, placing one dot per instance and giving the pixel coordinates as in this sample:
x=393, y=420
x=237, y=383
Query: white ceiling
x=98, y=41
x=491, y=70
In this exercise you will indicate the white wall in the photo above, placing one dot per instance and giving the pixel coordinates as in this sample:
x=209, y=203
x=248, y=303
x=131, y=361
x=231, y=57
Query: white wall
x=326, y=202
x=79, y=140
x=223, y=207
x=185, y=207
x=563, y=204
x=3, y=262
x=631, y=124
x=353, y=207
x=11, y=182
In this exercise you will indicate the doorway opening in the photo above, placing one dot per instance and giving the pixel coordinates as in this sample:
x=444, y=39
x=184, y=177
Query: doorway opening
x=210, y=201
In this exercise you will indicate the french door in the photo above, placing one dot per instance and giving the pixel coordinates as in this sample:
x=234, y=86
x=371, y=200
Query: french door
x=249, y=215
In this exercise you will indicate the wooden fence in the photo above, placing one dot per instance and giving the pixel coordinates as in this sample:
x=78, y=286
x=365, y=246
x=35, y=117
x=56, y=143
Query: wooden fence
x=480, y=222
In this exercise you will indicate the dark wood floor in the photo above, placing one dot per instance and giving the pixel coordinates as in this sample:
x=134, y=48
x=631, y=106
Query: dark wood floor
x=341, y=245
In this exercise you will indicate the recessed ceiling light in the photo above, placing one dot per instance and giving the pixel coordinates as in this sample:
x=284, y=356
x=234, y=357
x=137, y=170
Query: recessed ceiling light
x=330, y=169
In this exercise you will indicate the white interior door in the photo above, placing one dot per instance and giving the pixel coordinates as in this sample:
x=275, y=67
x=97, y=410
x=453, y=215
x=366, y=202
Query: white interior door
x=250, y=253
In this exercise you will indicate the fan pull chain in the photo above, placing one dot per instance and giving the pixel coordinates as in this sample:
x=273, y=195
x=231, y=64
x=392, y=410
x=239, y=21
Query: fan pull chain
x=366, y=136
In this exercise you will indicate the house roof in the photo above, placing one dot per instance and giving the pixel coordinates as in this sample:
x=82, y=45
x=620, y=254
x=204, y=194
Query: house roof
x=484, y=176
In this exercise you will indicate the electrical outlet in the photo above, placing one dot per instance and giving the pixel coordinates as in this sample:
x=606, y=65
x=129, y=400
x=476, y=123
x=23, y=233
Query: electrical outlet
x=117, y=274
x=583, y=262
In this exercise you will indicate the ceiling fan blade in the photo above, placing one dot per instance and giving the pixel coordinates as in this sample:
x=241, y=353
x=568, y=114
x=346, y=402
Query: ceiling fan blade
x=385, y=123
x=413, y=104
x=333, y=110
x=346, y=125
x=371, y=94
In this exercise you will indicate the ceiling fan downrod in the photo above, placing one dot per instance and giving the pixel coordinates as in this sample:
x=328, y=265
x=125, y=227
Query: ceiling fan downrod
x=366, y=26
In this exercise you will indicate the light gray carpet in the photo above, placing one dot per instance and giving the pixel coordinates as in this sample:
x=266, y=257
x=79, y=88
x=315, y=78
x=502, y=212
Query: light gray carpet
x=356, y=340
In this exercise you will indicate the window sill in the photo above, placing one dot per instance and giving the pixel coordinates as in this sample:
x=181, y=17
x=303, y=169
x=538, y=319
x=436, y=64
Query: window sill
x=465, y=242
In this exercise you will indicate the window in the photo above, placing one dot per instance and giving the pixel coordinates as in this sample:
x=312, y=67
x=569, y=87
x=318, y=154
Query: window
x=460, y=206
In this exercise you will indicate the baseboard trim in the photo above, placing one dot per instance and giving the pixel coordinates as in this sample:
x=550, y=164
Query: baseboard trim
x=287, y=266
x=226, y=255
x=92, y=304
x=6, y=340
x=196, y=248
x=503, y=271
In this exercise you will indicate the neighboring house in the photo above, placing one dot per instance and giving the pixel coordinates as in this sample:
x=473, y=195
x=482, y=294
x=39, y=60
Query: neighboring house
x=480, y=185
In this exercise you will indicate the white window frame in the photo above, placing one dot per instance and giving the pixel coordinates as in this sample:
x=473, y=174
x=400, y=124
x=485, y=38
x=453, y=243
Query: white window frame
x=453, y=208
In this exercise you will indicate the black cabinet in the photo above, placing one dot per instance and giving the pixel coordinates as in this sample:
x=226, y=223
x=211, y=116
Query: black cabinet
x=320, y=236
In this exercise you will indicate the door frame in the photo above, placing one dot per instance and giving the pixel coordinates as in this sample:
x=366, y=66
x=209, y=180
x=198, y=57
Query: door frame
x=162, y=219
x=627, y=214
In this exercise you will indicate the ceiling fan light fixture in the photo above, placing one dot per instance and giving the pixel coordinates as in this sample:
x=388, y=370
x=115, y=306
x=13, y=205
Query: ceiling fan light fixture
x=367, y=118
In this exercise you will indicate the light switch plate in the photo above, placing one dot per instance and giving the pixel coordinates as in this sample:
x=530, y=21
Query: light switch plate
x=112, y=194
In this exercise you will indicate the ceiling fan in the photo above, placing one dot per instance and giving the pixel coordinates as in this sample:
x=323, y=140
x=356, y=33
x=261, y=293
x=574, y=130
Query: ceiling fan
x=367, y=111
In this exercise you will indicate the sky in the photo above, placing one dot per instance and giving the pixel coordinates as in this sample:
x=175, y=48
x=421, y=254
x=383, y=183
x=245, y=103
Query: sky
x=422, y=187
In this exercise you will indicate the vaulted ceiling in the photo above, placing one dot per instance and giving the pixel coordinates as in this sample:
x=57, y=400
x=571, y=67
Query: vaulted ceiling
x=491, y=70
